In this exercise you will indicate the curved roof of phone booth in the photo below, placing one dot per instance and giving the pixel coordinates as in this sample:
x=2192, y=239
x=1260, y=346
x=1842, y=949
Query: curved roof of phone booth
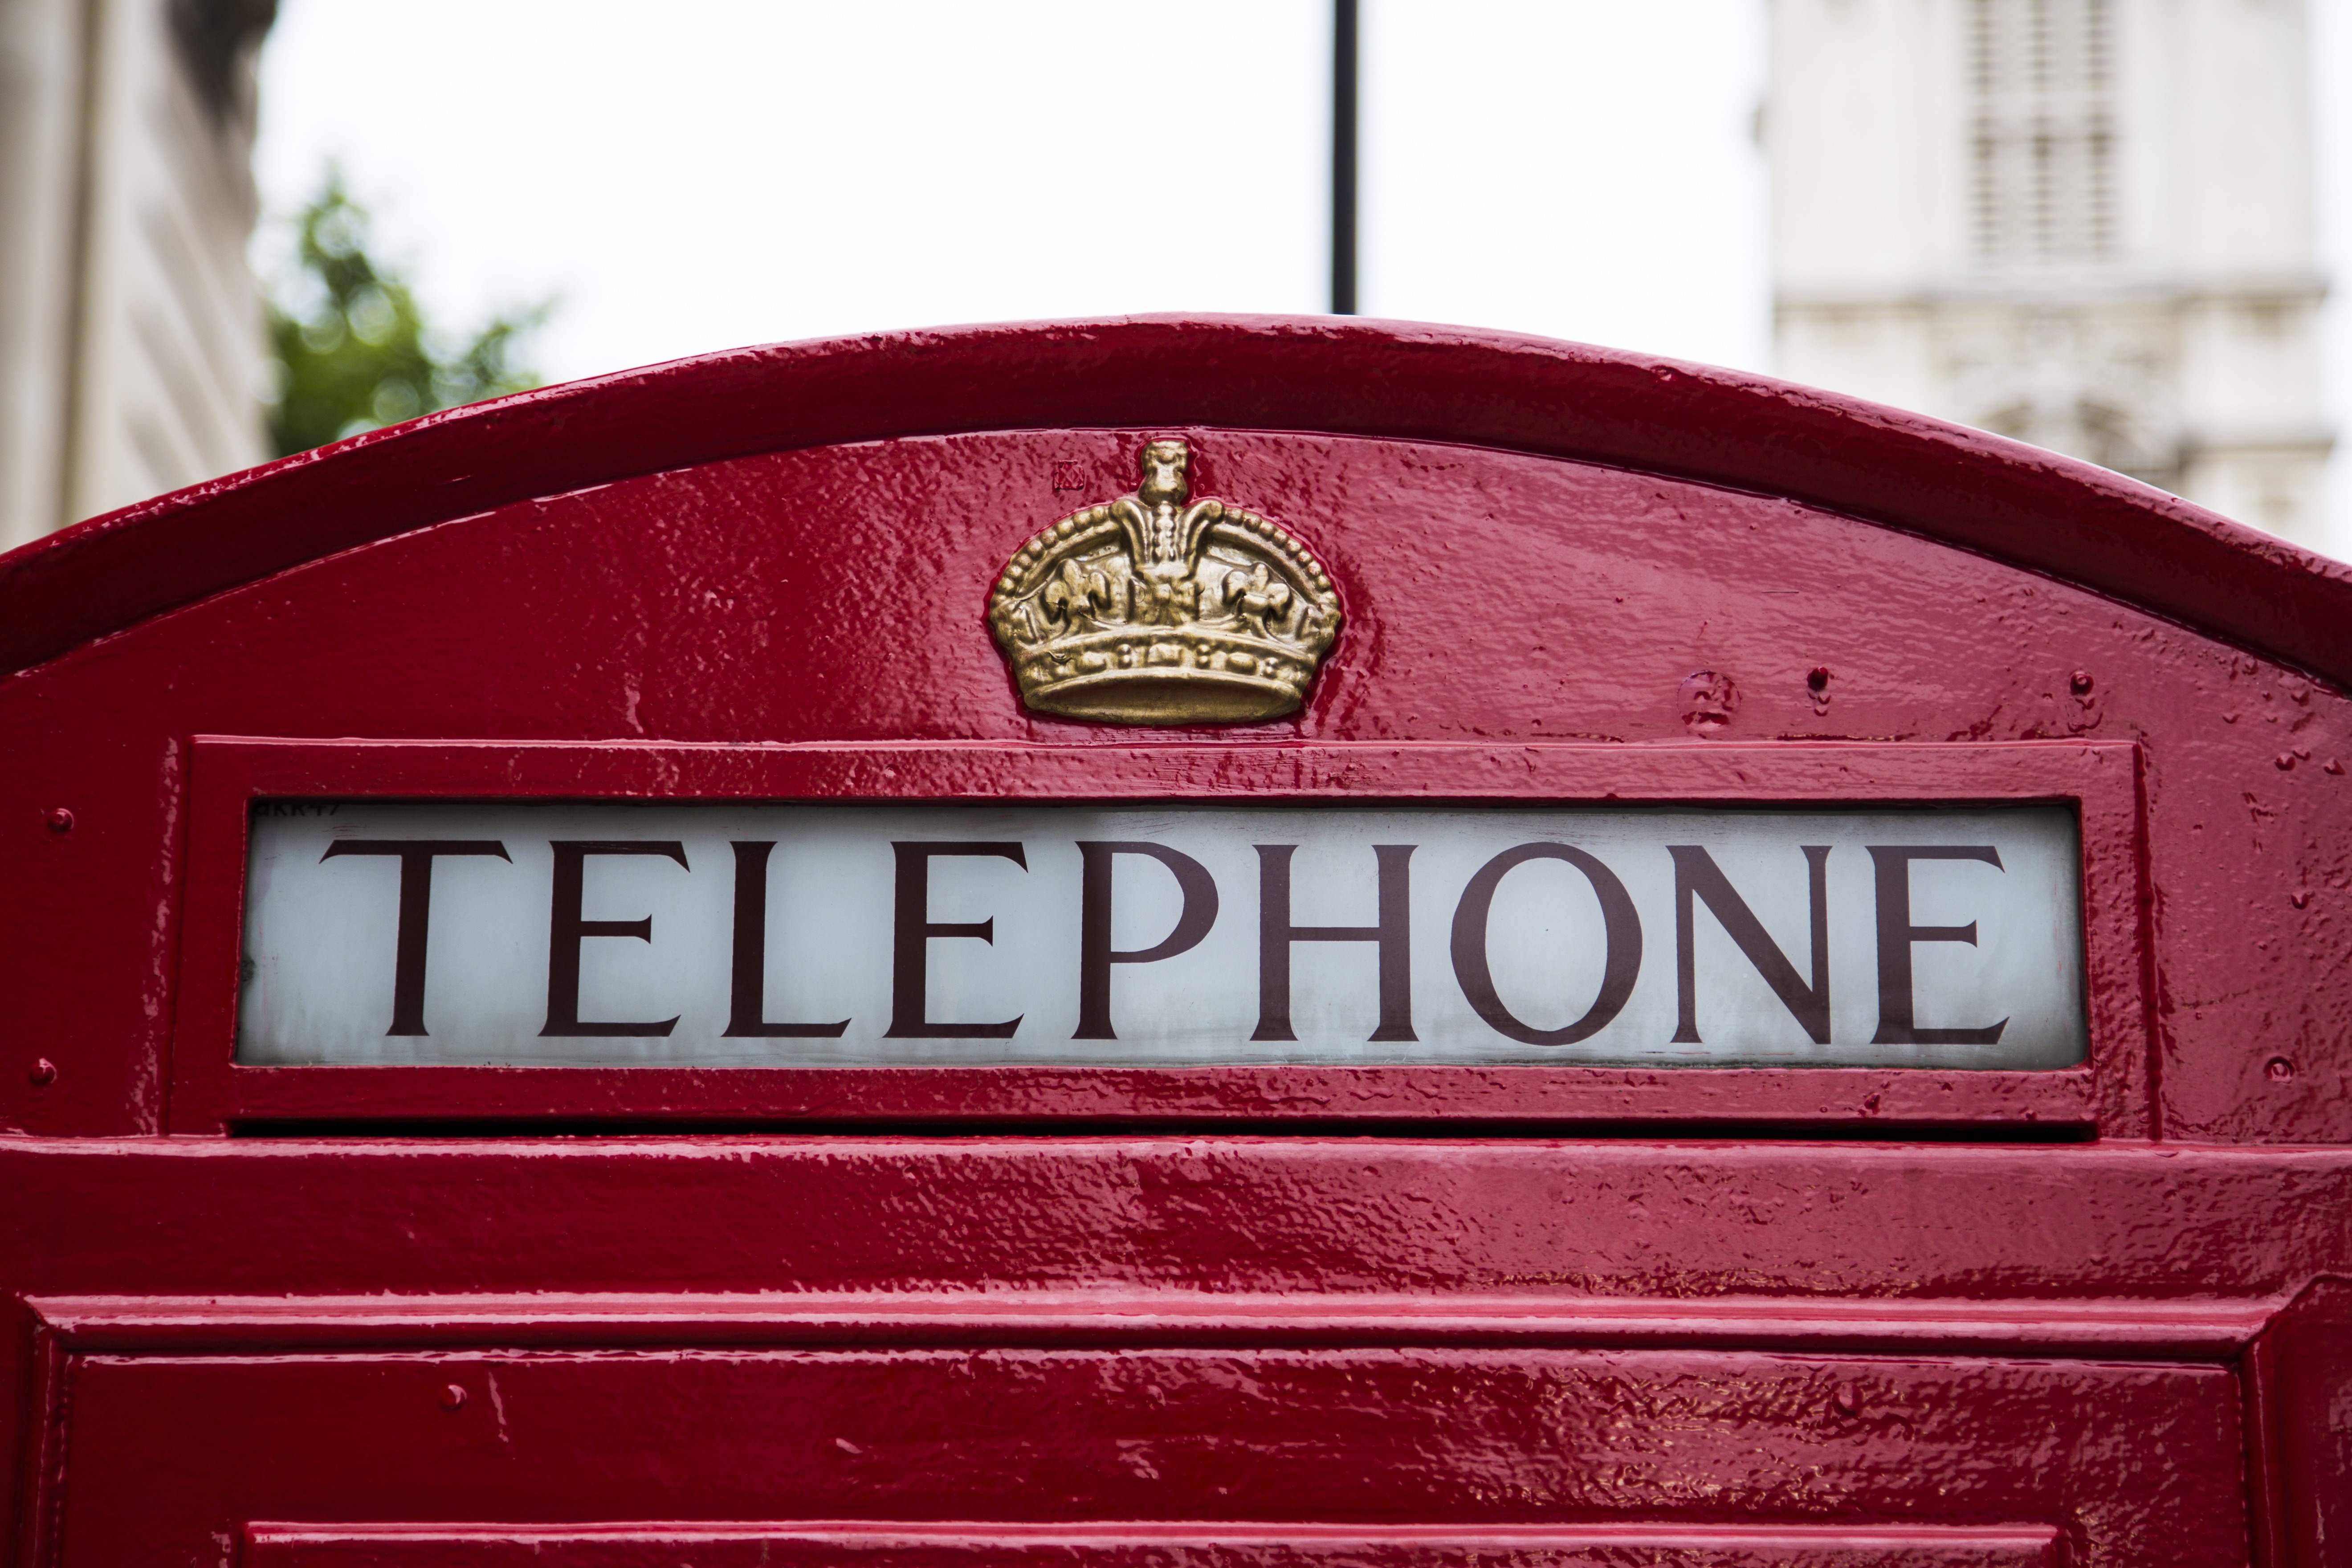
x=1320, y=374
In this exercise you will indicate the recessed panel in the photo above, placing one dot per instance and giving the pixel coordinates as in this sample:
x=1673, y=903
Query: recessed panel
x=164, y=1456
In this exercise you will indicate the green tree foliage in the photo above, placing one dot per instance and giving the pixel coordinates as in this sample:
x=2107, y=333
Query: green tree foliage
x=353, y=351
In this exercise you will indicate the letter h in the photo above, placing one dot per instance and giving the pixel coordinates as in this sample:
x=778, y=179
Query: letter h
x=1275, y=933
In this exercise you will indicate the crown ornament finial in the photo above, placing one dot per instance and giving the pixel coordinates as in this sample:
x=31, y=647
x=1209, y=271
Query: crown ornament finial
x=1154, y=608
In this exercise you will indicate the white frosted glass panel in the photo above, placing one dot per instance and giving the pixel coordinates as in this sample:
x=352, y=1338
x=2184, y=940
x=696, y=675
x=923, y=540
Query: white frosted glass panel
x=482, y=964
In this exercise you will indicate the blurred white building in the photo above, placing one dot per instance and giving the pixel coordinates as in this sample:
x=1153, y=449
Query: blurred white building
x=2087, y=223
x=132, y=359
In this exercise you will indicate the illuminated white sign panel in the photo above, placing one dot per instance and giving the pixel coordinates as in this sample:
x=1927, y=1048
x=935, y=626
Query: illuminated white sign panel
x=845, y=935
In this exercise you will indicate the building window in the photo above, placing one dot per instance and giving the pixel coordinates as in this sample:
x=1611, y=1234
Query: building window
x=2042, y=137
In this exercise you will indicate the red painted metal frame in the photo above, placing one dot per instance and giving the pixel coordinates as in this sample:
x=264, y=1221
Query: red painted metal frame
x=412, y=1351
x=420, y=1332
x=2111, y=1095
x=428, y=1261
x=1721, y=1311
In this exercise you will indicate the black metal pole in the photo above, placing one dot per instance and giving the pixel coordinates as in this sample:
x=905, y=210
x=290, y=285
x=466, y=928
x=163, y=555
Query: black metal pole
x=1343, y=157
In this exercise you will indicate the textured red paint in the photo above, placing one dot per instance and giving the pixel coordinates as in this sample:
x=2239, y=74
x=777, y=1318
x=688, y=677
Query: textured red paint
x=1095, y=1301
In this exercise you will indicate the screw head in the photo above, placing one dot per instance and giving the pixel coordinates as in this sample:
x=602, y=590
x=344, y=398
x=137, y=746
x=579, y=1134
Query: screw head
x=1820, y=679
x=2278, y=1069
x=43, y=1074
x=59, y=819
x=2081, y=682
x=453, y=1397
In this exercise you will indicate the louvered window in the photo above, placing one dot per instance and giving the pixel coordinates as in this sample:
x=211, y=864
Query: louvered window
x=2042, y=151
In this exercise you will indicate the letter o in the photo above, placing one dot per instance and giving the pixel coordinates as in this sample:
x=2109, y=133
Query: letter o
x=1621, y=931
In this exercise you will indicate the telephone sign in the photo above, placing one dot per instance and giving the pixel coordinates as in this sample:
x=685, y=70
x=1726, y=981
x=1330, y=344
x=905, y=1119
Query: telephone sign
x=782, y=935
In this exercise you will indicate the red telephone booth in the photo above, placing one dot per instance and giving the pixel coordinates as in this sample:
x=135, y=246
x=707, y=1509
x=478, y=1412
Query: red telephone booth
x=1176, y=944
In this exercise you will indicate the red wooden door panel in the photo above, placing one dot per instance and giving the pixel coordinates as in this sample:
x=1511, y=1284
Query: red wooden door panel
x=1128, y=1546
x=164, y=1454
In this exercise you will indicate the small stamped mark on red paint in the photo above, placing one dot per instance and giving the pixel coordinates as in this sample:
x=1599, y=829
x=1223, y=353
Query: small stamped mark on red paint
x=1708, y=701
x=1069, y=477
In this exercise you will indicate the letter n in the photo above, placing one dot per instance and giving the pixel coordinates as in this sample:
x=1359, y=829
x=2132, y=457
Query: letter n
x=1699, y=879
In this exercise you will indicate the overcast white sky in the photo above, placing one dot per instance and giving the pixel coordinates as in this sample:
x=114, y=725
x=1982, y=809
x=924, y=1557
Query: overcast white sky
x=711, y=172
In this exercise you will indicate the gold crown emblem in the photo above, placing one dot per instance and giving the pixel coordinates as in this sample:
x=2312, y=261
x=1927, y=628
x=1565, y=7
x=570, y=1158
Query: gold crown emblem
x=1157, y=609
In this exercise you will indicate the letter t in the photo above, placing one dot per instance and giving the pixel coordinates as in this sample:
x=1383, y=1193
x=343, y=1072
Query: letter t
x=416, y=855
